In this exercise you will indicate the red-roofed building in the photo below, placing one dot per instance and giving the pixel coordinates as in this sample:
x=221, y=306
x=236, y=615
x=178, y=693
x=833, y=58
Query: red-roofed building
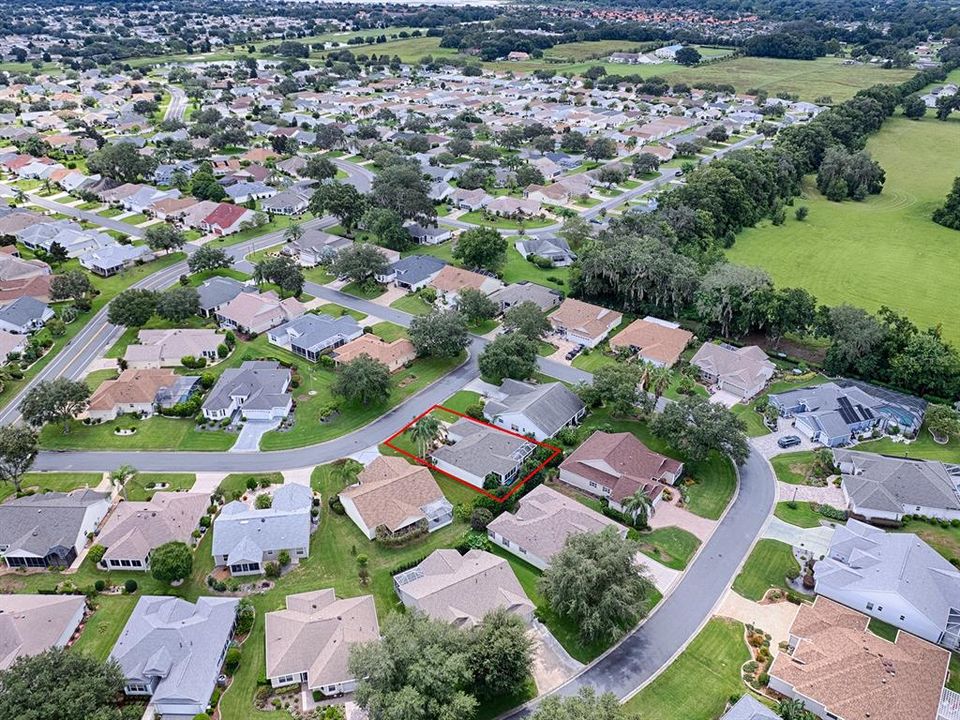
x=226, y=219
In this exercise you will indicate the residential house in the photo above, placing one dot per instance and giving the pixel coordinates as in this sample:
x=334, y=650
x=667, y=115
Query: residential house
x=112, y=259
x=395, y=498
x=32, y=624
x=427, y=234
x=470, y=200
x=584, y=323
x=475, y=452
x=10, y=343
x=312, y=335
x=412, y=272
x=511, y=295
x=244, y=192
x=315, y=247
x=23, y=278
x=514, y=208
x=538, y=411
x=462, y=589
x=24, y=315
x=654, y=340
x=543, y=521
x=171, y=651
x=749, y=708
x=894, y=577
x=167, y=348
x=226, y=219
x=193, y=216
x=138, y=392
x=287, y=202
x=395, y=355
x=245, y=538
x=617, y=466
x=135, y=529
x=554, y=249
x=50, y=529
x=451, y=280
x=838, y=413
x=254, y=313
x=309, y=641
x=742, y=372
x=217, y=292
x=884, y=489
x=839, y=669
x=258, y=389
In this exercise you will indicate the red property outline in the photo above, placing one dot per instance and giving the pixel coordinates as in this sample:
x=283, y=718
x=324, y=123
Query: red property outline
x=516, y=485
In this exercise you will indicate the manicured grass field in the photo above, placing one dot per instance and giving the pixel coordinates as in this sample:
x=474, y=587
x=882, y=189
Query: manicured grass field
x=901, y=258
x=137, y=489
x=478, y=217
x=52, y=482
x=954, y=682
x=922, y=448
x=698, y=684
x=793, y=468
x=98, y=377
x=104, y=626
x=670, y=546
x=237, y=482
x=388, y=332
x=753, y=419
x=882, y=629
x=365, y=292
x=802, y=515
x=461, y=400
x=767, y=567
x=516, y=269
x=135, y=219
x=154, y=433
x=412, y=304
x=339, y=311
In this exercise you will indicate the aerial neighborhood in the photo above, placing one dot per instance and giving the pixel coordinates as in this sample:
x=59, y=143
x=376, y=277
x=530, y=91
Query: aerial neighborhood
x=385, y=361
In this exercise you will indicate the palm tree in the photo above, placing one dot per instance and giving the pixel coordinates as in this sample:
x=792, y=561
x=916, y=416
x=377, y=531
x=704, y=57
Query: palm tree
x=293, y=232
x=424, y=432
x=121, y=476
x=639, y=507
x=658, y=380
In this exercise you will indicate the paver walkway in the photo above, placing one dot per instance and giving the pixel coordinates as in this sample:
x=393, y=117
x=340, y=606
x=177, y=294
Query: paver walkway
x=828, y=495
x=775, y=618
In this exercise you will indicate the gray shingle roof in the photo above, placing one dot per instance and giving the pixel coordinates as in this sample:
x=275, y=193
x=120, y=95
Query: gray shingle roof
x=416, y=268
x=23, y=311
x=320, y=330
x=879, y=482
x=748, y=708
x=263, y=383
x=37, y=523
x=548, y=406
x=219, y=290
x=481, y=450
x=243, y=533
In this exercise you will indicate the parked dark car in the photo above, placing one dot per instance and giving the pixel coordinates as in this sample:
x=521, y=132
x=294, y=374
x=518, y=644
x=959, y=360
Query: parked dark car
x=788, y=441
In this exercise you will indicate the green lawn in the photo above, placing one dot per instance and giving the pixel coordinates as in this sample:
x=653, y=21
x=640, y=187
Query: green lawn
x=802, y=515
x=912, y=259
x=767, y=567
x=135, y=219
x=922, y=448
x=945, y=540
x=106, y=623
x=478, y=217
x=670, y=546
x=110, y=212
x=954, y=682
x=461, y=400
x=318, y=275
x=753, y=419
x=154, y=433
x=412, y=304
x=698, y=684
x=98, y=377
x=142, y=487
x=388, y=331
x=52, y=482
x=883, y=629
x=339, y=311
x=364, y=292
x=197, y=279
x=237, y=482
x=794, y=468
x=516, y=269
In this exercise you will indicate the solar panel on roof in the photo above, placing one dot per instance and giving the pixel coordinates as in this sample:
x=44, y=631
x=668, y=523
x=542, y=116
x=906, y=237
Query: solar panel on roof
x=846, y=411
x=866, y=412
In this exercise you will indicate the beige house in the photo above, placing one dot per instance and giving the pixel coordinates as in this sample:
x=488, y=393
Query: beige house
x=542, y=523
x=839, y=669
x=584, y=323
x=256, y=313
x=167, y=348
x=134, y=529
x=462, y=589
x=309, y=641
x=32, y=624
x=133, y=392
x=451, y=280
x=654, y=340
x=392, y=494
x=739, y=371
x=394, y=354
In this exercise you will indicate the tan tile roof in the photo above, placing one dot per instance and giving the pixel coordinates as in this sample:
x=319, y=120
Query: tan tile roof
x=132, y=386
x=172, y=345
x=314, y=635
x=30, y=624
x=856, y=674
x=454, y=279
x=250, y=310
x=656, y=342
x=590, y=320
x=398, y=352
x=135, y=528
x=391, y=492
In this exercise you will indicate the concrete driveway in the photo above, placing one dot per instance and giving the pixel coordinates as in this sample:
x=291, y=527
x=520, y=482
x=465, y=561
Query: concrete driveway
x=552, y=665
x=727, y=399
x=815, y=541
x=249, y=438
x=824, y=495
x=767, y=446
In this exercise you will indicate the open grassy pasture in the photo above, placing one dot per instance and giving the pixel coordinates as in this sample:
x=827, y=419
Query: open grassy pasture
x=885, y=250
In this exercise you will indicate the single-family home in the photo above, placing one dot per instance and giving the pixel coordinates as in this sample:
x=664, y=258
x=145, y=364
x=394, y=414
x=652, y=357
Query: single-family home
x=881, y=488
x=310, y=336
x=287, y=202
x=20, y=278
x=894, y=577
x=543, y=521
x=837, y=668
x=474, y=452
x=510, y=295
x=451, y=280
x=193, y=216
x=309, y=641
x=742, y=372
x=135, y=529
x=217, y=292
x=167, y=348
x=394, y=498
x=226, y=219
x=462, y=589
x=244, y=192
x=654, y=340
x=538, y=411
x=31, y=624
x=412, y=272
x=109, y=260
x=135, y=392
x=616, y=466
x=505, y=206
x=315, y=247
x=838, y=413
x=395, y=354
x=749, y=708
x=554, y=249
x=584, y=323
x=470, y=200
x=246, y=538
x=258, y=389
x=254, y=313
x=50, y=529
x=171, y=650
x=24, y=315
x=427, y=234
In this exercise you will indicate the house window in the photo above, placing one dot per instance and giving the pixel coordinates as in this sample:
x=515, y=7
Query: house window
x=114, y=563
x=506, y=542
x=125, y=563
x=869, y=606
x=136, y=563
x=593, y=484
x=902, y=617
